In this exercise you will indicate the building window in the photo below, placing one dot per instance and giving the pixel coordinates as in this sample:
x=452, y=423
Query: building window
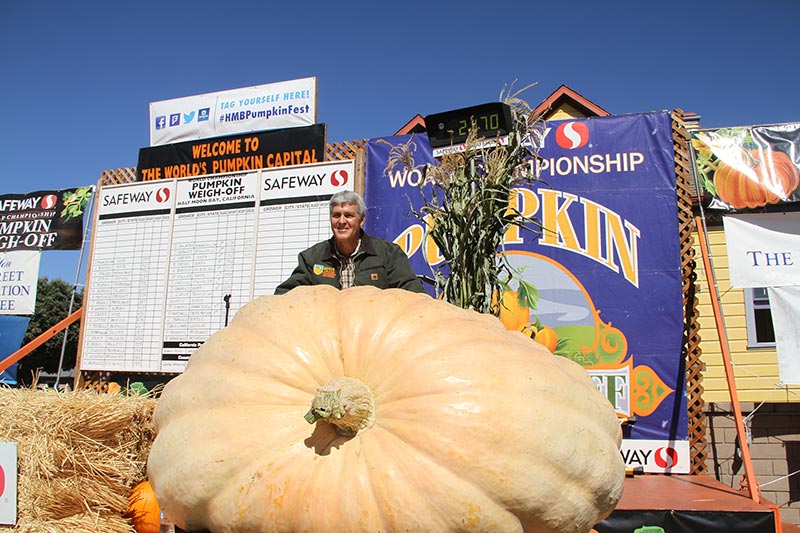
x=759, y=319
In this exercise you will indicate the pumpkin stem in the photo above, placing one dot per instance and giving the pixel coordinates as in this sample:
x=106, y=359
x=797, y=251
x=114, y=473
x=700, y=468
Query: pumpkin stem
x=750, y=159
x=344, y=402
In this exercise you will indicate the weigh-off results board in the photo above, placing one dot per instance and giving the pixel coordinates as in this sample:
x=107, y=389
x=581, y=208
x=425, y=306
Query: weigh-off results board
x=172, y=261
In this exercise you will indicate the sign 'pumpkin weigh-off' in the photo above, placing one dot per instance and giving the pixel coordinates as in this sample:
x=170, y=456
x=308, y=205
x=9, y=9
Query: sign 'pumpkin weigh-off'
x=467, y=427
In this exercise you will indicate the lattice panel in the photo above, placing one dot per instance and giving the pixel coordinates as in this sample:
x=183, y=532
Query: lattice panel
x=343, y=150
x=94, y=380
x=692, y=352
x=120, y=175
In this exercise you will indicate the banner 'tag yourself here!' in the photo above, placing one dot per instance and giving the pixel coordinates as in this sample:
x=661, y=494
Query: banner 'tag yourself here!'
x=43, y=220
x=286, y=104
x=606, y=264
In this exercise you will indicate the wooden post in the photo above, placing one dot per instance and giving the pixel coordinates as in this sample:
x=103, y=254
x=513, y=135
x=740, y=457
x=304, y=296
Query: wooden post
x=755, y=494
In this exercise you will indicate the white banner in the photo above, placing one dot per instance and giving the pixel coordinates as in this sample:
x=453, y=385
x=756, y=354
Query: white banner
x=8, y=483
x=285, y=104
x=19, y=273
x=763, y=249
x=784, y=302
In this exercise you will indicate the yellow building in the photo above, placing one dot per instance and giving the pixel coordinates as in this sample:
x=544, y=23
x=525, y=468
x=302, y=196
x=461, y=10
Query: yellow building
x=748, y=327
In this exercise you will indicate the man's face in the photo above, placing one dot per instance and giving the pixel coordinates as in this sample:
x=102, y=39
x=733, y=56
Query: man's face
x=345, y=222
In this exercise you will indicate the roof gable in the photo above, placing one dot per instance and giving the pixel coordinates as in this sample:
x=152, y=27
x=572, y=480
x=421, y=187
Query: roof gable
x=566, y=103
x=563, y=103
x=415, y=125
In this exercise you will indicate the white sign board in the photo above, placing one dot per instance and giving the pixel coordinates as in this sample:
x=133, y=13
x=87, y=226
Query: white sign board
x=173, y=260
x=8, y=483
x=19, y=273
x=124, y=312
x=656, y=456
x=286, y=104
x=763, y=249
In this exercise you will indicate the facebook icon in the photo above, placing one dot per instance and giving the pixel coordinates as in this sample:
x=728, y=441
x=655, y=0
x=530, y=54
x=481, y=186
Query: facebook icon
x=161, y=122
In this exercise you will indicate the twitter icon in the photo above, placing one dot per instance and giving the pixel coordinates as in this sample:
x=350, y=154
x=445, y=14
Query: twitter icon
x=188, y=117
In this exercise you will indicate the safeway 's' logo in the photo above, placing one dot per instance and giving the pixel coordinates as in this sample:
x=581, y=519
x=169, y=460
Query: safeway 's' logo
x=162, y=195
x=572, y=135
x=339, y=178
x=49, y=201
x=666, y=457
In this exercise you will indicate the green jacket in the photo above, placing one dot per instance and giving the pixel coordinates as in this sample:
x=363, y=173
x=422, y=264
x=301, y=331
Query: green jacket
x=380, y=263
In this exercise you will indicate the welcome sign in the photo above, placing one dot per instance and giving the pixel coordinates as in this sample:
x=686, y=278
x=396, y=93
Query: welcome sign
x=606, y=263
x=233, y=153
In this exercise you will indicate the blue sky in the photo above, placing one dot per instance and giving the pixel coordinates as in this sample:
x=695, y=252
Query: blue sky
x=77, y=77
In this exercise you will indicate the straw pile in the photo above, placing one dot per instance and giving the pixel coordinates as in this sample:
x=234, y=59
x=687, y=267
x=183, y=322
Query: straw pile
x=79, y=454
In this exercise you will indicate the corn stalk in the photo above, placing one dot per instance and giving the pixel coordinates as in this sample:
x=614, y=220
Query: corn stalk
x=469, y=208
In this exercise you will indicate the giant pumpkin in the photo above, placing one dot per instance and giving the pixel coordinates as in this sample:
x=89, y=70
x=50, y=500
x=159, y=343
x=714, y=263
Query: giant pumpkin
x=424, y=417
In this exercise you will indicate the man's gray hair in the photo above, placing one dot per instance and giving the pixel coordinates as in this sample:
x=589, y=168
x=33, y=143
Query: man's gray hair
x=348, y=197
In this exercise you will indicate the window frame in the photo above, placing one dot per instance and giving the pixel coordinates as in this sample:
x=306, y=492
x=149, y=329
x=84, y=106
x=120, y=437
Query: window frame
x=754, y=303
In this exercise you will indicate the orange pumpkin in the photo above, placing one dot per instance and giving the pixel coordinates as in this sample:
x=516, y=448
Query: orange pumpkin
x=755, y=178
x=143, y=510
x=512, y=314
x=547, y=337
x=529, y=330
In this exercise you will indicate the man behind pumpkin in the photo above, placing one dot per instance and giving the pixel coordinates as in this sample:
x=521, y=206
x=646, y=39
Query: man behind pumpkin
x=351, y=257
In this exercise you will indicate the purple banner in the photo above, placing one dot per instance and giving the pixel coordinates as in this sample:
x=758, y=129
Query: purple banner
x=12, y=331
x=606, y=265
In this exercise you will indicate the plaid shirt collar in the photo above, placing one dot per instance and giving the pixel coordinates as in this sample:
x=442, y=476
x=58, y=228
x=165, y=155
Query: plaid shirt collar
x=348, y=272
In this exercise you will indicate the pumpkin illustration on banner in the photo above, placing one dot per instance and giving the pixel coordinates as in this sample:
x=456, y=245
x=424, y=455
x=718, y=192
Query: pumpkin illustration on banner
x=743, y=173
x=381, y=410
x=566, y=322
x=754, y=178
x=513, y=314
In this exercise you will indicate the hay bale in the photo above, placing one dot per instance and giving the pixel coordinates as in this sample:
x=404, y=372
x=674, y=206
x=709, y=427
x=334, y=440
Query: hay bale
x=80, y=453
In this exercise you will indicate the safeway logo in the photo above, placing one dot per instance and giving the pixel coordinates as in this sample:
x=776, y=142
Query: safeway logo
x=49, y=201
x=339, y=178
x=162, y=195
x=656, y=456
x=666, y=457
x=572, y=135
x=2, y=481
